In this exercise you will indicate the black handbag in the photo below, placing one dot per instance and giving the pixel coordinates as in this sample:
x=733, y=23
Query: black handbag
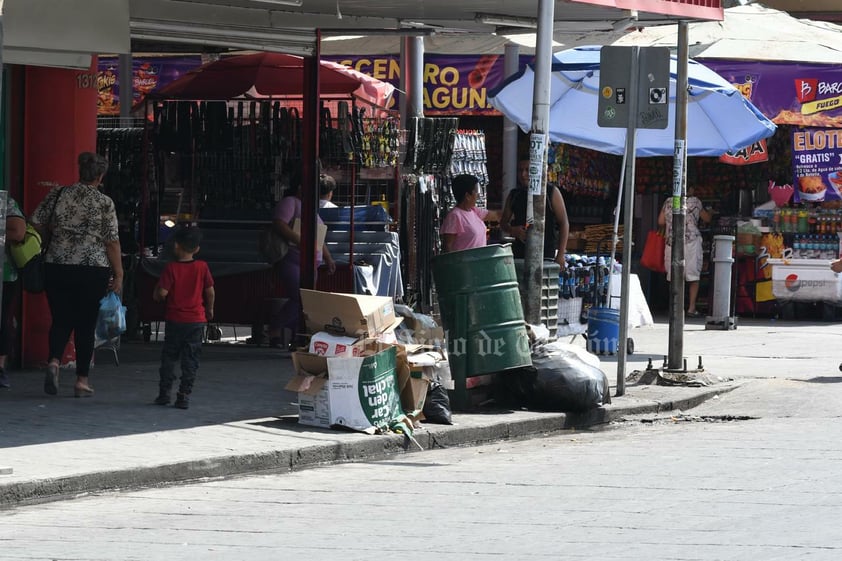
x=33, y=276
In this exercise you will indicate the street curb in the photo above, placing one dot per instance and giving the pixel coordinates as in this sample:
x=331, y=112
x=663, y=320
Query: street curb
x=494, y=428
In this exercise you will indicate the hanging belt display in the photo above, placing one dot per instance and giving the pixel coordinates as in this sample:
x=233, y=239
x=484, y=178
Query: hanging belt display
x=469, y=157
x=131, y=174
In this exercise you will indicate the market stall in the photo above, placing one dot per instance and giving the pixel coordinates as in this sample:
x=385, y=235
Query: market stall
x=226, y=139
x=779, y=198
x=718, y=119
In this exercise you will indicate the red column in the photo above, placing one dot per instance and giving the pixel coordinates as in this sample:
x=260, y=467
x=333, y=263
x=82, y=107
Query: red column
x=59, y=122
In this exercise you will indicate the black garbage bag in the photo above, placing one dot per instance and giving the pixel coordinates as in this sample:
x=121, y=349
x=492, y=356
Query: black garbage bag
x=437, y=405
x=557, y=383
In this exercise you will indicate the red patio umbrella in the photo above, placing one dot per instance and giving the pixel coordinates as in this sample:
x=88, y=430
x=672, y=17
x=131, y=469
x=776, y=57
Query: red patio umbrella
x=272, y=75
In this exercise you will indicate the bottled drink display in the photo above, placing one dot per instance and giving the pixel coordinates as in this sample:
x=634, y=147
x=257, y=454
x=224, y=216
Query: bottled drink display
x=811, y=233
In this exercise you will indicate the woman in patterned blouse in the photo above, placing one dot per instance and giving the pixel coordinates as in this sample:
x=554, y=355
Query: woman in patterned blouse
x=83, y=255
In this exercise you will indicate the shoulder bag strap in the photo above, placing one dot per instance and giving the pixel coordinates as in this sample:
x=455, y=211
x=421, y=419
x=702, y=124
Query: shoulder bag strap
x=46, y=243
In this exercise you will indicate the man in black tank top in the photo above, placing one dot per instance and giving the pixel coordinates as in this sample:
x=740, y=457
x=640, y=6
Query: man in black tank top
x=513, y=219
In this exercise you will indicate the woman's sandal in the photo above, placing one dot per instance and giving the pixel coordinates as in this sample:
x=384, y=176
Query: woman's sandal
x=83, y=391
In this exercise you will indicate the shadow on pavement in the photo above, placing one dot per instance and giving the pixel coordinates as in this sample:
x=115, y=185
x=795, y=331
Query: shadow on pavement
x=235, y=383
x=824, y=380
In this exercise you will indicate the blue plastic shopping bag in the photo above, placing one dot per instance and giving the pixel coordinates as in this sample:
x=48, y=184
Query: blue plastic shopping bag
x=111, y=321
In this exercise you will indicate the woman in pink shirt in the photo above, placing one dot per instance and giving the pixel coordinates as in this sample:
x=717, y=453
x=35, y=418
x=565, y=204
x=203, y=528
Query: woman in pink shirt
x=464, y=225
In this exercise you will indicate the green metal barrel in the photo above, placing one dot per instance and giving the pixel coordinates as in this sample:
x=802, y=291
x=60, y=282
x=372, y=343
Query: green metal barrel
x=481, y=312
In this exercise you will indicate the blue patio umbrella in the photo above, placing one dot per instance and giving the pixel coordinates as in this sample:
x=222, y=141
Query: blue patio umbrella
x=719, y=118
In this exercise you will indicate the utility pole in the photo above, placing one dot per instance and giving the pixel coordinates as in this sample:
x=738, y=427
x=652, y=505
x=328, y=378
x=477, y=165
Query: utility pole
x=536, y=203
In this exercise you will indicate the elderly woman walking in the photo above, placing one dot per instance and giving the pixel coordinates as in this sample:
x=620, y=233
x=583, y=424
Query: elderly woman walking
x=83, y=261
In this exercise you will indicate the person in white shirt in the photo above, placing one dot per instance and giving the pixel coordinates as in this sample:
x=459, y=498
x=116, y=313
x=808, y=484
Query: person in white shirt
x=327, y=185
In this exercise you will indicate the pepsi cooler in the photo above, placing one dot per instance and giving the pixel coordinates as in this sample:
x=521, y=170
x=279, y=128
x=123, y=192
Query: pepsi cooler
x=805, y=280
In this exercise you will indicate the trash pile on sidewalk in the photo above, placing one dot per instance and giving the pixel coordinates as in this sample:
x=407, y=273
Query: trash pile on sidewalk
x=355, y=374
x=563, y=377
x=372, y=368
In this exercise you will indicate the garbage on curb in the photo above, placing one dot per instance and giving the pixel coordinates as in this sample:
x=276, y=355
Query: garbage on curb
x=437, y=406
x=562, y=378
x=354, y=374
x=352, y=315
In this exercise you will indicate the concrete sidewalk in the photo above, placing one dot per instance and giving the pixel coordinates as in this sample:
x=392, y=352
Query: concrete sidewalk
x=242, y=421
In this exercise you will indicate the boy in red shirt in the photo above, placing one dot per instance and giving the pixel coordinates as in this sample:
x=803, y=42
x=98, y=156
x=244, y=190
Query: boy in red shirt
x=186, y=286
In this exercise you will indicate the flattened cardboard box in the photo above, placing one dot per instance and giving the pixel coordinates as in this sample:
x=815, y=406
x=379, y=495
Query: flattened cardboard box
x=414, y=393
x=348, y=314
x=360, y=393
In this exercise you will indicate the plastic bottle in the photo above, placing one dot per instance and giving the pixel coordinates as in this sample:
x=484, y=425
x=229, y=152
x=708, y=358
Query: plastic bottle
x=803, y=226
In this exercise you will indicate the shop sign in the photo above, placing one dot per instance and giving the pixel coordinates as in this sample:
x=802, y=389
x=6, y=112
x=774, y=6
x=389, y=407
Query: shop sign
x=754, y=154
x=817, y=164
x=807, y=95
x=148, y=75
x=453, y=84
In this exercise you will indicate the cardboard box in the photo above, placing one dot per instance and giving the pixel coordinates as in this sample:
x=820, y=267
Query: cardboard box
x=360, y=393
x=354, y=315
x=314, y=404
x=408, y=383
x=414, y=393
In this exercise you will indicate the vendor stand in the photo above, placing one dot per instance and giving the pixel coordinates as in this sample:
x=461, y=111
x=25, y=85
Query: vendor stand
x=226, y=138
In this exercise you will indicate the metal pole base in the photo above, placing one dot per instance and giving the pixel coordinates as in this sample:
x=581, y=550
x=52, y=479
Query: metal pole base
x=720, y=324
x=664, y=376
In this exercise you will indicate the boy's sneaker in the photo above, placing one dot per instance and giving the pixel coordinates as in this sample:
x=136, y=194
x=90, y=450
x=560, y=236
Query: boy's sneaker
x=4, y=380
x=162, y=399
x=182, y=401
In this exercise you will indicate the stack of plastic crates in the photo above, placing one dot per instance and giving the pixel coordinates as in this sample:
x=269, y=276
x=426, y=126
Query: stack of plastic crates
x=549, y=293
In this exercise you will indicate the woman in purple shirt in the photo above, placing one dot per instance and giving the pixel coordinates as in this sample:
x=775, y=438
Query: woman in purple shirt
x=464, y=225
x=287, y=211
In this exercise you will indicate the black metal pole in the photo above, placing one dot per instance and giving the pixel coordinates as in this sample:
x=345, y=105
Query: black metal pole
x=679, y=206
x=309, y=173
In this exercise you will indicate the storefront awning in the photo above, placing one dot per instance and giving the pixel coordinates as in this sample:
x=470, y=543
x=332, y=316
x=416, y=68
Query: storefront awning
x=695, y=9
x=63, y=34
